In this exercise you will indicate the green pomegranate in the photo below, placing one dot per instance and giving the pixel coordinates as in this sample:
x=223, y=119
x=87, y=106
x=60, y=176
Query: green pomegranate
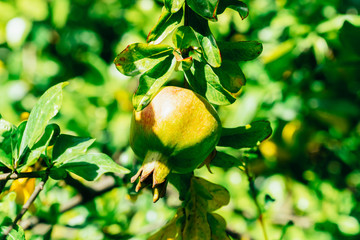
x=176, y=132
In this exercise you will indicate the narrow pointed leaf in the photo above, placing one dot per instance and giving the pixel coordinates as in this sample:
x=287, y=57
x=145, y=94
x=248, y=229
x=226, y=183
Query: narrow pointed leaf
x=45, y=109
x=151, y=82
x=205, y=8
x=205, y=39
x=51, y=132
x=184, y=37
x=204, y=81
x=68, y=147
x=240, y=51
x=225, y=160
x=246, y=136
x=165, y=25
x=236, y=5
x=173, y=5
x=140, y=57
x=92, y=166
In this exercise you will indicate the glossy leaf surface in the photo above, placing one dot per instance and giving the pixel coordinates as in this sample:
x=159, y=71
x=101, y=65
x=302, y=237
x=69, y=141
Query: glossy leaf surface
x=151, y=82
x=205, y=8
x=173, y=5
x=165, y=25
x=140, y=57
x=236, y=5
x=246, y=136
x=240, y=51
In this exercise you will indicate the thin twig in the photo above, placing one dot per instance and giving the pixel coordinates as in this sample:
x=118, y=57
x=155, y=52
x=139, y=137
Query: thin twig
x=253, y=195
x=28, y=203
x=14, y=175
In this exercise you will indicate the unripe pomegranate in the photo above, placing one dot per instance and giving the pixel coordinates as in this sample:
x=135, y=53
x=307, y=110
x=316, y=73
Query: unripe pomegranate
x=175, y=132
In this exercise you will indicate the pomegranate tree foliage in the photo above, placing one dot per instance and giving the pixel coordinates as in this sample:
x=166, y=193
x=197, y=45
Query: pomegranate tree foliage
x=305, y=178
x=217, y=77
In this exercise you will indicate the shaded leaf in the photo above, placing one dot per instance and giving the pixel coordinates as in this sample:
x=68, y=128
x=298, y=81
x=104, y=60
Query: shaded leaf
x=151, y=82
x=51, y=132
x=205, y=8
x=219, y=195
x=246, y=136
x=203, y=80
x=140, y=57
x=173, y=229
x=240, y=51
x=350, y=37
x=181, y=182
x=236, y=5
x=7, y=140
x=218, y=227
x=184, y=37
x=231, y=76
x=68, y=147
x=173, y=5
x=92, y=166
x=165, y=25
x=45, y=109
x=225, y=160
x=206, y=40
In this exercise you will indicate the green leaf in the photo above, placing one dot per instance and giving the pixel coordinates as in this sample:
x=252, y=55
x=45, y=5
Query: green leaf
x=205, y=39
x=236, y=5
x=218, y=227
x=173, y=229
x=92, y=166
x=225, y=160
x=68, y=147
x=151, y=82
x=17, y=233
x=165, y=25
x=196, y=225
x=58, y=173
x=240, y=51
x=219, y=195
x=246, y=136
x=181, y=182
x=350, y=37
x=184, y=37
x=230, y=76
x=205, y=8
x=203, y=80
x=7, y=140
x=140, y=57
x=173, y=5
x=51, y=132
x=45, y=109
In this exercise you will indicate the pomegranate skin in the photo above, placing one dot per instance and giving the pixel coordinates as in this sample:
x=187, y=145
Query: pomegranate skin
x=179, y=124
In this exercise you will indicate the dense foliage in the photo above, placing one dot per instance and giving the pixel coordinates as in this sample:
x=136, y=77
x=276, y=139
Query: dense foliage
x=304, y=180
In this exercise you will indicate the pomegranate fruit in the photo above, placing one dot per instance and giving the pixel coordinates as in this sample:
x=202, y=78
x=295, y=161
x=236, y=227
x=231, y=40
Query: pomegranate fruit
x=176, y=132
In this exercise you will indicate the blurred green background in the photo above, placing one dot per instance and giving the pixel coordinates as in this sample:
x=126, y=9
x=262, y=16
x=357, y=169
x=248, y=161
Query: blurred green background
x=306, y=83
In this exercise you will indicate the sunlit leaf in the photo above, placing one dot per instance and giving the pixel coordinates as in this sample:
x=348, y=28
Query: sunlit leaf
x=173, y=229
x=140, y=57
x=205, y=8
x=245, y=136
x=68, y=147
x=17, y=233
x=45, y=109
x=51, y=132
x=151, y=82
x=230, y=76
x=92, y=166
x=204, y=81
x=173, y=5
x=165, y=25
x=240, y=51
x=236, y=5
x=184, y=37
x=206, y=40
x=219, y=195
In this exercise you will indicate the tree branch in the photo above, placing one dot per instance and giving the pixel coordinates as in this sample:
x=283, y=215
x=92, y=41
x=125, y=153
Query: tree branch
x=26, y=206
x=36, y=174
